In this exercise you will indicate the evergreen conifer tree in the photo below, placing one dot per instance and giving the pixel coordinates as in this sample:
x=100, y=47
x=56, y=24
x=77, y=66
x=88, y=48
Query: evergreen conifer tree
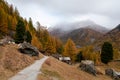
x=28, y=37
x=107, y=52
x=20, y=32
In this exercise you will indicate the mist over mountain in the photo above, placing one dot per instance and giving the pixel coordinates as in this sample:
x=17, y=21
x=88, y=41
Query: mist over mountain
x=82, y=33
x=66, y=27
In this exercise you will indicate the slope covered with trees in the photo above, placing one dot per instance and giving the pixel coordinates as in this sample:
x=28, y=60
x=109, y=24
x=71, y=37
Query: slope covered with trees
x=15, y=26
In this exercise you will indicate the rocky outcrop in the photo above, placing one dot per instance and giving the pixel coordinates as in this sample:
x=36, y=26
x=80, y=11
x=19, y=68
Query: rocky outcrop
x=88, y=66
x=112, y=73
x=27, y=48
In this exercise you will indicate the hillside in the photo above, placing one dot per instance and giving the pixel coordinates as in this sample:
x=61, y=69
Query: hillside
x=67, y=27
x=55, y=70
x=82, y=33
x=87, y=37
x=12, y=61
x=112, y=36
x=82, y=36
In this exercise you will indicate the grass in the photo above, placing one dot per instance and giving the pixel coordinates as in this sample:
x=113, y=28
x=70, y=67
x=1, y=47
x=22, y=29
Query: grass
x=51, y=74
x=113, y=65
x=63, y=71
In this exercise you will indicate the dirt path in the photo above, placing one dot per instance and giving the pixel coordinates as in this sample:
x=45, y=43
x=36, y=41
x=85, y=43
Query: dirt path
x=31, y=72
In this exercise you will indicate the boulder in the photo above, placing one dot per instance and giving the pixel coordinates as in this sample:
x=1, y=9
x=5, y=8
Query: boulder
x=109, y=72
x=112, y=73
x=27, y=48
x=88, y=66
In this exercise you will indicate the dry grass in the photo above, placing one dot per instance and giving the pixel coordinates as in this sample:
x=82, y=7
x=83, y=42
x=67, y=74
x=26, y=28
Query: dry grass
x=12, y=61
x=113, y=65
x=61, y=71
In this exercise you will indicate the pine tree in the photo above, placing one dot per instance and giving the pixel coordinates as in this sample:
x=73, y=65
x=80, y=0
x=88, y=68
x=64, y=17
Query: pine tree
x=107, y=52
x=79, y=57
x=20, y=32
x=70, y=50
x=31, y=27
x=28, y=37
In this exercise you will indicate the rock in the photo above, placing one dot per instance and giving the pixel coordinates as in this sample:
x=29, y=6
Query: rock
x=109, y=72
x=6, y=40
x=27, y=48
x=112, y=73
x=88, y=66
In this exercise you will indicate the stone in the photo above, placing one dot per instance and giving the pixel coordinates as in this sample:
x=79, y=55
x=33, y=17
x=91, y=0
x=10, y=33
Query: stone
x=109, y=72
x=88, y=66
x=27, y=48
x=6, y=40
x=112, y=73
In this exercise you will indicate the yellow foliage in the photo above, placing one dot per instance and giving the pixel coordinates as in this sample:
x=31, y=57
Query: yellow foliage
x=89, y=54
x=36, y=42
x=70, y=50
x=51, y=46
x=116, y=54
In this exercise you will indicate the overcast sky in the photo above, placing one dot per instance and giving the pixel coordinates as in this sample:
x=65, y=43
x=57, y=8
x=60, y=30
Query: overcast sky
x=51, y=12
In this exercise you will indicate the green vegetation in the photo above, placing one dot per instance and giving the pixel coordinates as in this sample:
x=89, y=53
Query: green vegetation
x=20, y=32
x=107, y=52
x=13, y=25
x=28, y=37
x=79, y=57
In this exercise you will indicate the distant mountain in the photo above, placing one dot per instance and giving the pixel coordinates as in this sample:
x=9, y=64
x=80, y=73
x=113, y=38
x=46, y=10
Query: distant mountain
x=66, y=27
x=82, y=36
x=82, y=33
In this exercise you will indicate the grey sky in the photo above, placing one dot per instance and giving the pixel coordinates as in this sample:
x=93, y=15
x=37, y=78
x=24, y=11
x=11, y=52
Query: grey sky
x=51, y=12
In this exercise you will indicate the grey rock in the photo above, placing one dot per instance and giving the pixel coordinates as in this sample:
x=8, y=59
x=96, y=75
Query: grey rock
x=88, y=66
x=109, y=72
x=27, y=48
x=5, y=40
x=112, y=73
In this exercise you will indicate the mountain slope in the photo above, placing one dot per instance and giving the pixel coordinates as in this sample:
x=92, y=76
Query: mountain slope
x=112, y=36
x=11, y=61
x=82, y=33
x=66, y=27
x=82, y=36
x=53, y=69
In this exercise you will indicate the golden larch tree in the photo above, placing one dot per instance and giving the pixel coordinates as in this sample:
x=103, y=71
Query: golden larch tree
x=70, y=50
x=51, y=46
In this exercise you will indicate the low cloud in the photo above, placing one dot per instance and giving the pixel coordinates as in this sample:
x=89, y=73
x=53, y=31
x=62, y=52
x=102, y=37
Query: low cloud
x=105, y=12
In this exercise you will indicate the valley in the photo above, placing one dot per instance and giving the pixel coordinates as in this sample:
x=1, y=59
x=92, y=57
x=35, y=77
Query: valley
x=65, y=45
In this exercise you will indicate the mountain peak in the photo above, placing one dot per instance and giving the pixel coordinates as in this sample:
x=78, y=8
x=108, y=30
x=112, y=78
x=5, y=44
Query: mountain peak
x=80, y=24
